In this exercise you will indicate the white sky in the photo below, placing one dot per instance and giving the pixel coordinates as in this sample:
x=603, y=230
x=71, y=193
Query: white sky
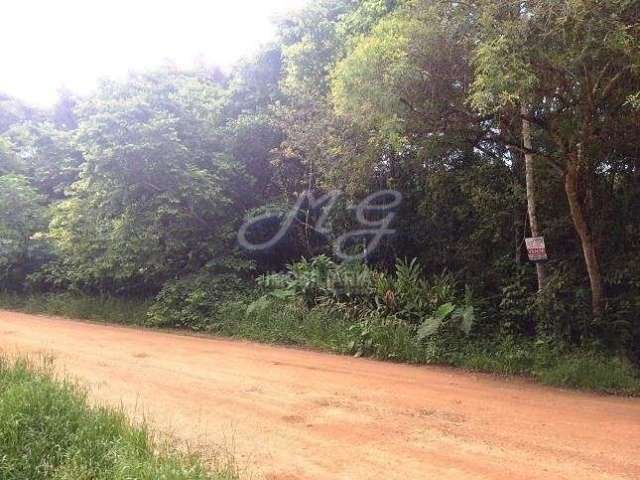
x=47, y=44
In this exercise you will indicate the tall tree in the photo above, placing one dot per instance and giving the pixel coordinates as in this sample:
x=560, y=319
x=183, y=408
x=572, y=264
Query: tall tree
x=532, y=188
x=154, y=194
x=578, y=63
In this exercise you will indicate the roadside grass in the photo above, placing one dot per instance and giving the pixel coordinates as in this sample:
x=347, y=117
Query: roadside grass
x=592, y=372
x=103, y=308
x=323, y=328
x=48, y=431
x=578, y=369
x=284, y=324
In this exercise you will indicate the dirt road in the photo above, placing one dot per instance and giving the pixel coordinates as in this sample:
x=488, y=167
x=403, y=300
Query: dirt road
x=292, y=414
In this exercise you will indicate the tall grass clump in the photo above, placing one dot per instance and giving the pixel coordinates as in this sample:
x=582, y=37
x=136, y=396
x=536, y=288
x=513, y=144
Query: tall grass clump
x=48, y=431
x=590, y=371
x=100, y=308
x=272, y=320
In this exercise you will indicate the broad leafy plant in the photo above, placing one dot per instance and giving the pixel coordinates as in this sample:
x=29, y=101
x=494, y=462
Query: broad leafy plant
x=448, y=315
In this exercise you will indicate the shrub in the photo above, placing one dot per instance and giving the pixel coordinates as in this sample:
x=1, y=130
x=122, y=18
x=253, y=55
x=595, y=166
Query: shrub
x=320, y=278
x=448, y=317
x=386, y=338
x=191, y=302
x=383, y=311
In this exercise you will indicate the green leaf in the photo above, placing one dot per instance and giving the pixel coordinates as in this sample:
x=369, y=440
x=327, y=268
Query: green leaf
x=467, y=318
x=282, y=294
x=429, y=327
x=443, y=311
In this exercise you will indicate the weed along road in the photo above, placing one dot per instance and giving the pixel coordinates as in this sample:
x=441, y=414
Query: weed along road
x=293, y=414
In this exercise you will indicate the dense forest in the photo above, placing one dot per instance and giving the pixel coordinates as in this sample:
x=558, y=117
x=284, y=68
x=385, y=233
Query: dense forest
x=493, y=121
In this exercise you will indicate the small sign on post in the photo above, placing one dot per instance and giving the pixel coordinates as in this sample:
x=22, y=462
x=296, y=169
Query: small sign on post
x=536, y=249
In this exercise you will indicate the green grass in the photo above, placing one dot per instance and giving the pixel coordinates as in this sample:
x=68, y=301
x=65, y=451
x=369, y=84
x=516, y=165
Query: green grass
x=579, y=369
x=506, y=357
x=588, y=371
x=48, y=431
x=283, y=323
x=84, y=307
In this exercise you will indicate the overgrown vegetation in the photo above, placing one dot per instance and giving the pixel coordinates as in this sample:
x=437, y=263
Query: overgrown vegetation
x=354, y=310
x=49, y=432
x=495, y=120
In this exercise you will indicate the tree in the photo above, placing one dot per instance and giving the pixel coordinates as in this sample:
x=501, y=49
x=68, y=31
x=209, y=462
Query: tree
x=577, y=63
x=8, y=160
x=154, y=194
x=47, y=156
x=22, y=216
x=532, y=189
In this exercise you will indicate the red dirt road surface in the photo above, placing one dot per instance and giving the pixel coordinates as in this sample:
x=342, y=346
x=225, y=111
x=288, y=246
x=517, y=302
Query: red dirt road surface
x=291, y=414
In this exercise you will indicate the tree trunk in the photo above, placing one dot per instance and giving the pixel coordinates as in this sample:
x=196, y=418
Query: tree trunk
x=531, y=190
x=584, y=233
